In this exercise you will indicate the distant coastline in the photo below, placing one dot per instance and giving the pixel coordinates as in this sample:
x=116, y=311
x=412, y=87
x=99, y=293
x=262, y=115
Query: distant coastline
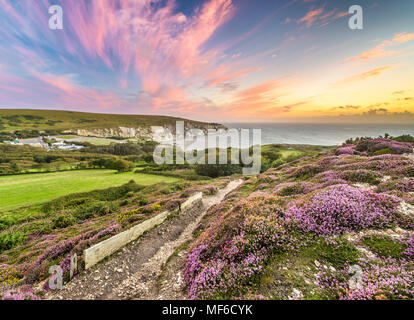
x=320, y=133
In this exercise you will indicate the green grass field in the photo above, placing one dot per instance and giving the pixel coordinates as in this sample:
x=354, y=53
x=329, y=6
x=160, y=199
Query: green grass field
x=29, y=189
x=22, y=119
x=287, y=153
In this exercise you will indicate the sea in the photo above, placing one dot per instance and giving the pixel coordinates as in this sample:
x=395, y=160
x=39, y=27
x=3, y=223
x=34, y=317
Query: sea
x=322, y=134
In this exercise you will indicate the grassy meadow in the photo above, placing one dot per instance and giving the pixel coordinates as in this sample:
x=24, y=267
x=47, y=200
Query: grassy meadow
x=25, y=119
x=29, y=189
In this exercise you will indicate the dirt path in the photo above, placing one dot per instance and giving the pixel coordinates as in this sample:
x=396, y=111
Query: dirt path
x=136, y=271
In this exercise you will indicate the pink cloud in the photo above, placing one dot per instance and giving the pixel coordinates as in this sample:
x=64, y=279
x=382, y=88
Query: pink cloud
x=403, y=37
x=321, y=16
x=382, y=50
x=311, y=17
x=364, y=75
x=150, y=38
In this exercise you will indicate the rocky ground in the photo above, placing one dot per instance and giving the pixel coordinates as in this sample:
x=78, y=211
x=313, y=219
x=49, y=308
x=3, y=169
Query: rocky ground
x=140, y=270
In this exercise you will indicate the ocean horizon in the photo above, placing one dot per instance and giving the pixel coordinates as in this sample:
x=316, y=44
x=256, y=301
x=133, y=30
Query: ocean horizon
x=317, y=134
x=322, y=134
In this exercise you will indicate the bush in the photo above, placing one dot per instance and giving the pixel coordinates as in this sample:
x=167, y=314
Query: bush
x=217, y=170
x=342, y=208
x=83, y=214
x=11, y=240
x=373, y=145
x=77, y=200
x=93, y=209
x=119, y=165
x=271, y=155
x=383, y=151
x=118, y=149
x=363, y=176
x=63, y=221
x=293, y=157
x=235, y=249
x=307, y=171
x=277, y=163
x=142, y=202
x=404, y=138
x=347, y=149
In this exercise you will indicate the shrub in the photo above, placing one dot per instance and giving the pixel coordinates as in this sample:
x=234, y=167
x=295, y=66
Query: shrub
x=383, y=151
x=172, y=204
x=83, y=214
x=271, y=155
x=342, y=208
x=237, y=250
x=289, y=189
x=373, y=145
x=119, y=164
x=63, y=221
x=142, y=202
x=346, y=149
x=277, y=163
x=404, y=185
x=11, y=240
x=76, y=200
x=381, y=279
x=307, y=171
x=364, y=176
x=293, y=157
x=404, y=138
x=217, y=170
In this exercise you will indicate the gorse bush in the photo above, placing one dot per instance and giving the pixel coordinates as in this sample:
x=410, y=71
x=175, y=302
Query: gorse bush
x=10, y=240
x=63, y=221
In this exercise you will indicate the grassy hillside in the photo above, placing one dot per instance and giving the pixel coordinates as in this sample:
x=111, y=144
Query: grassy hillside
x=27, y=119
x=30, y=189
x=36, y=237
x=302, y=230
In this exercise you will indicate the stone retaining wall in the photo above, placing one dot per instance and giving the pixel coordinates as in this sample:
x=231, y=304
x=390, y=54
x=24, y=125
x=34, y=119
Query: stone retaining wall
x=109, y=246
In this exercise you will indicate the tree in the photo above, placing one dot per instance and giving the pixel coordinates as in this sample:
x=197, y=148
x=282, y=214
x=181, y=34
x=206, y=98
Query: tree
x=123, y=165
x=217, y=170
x=98, y=163
x=148, y=158
x=119, y=165
x=15, y=167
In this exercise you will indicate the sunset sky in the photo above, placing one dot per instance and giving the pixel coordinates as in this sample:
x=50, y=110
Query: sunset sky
x=213, y=60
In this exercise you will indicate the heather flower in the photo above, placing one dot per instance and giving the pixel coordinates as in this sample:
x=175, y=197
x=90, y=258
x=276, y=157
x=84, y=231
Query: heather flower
x=21, y=293
x=373, y=145
x=292, y=188
x=342, y=208
x=224, y=265
x=381, y=278
x=346, y=149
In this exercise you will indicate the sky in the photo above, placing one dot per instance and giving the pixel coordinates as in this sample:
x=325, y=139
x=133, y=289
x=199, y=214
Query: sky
x=212, y=60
